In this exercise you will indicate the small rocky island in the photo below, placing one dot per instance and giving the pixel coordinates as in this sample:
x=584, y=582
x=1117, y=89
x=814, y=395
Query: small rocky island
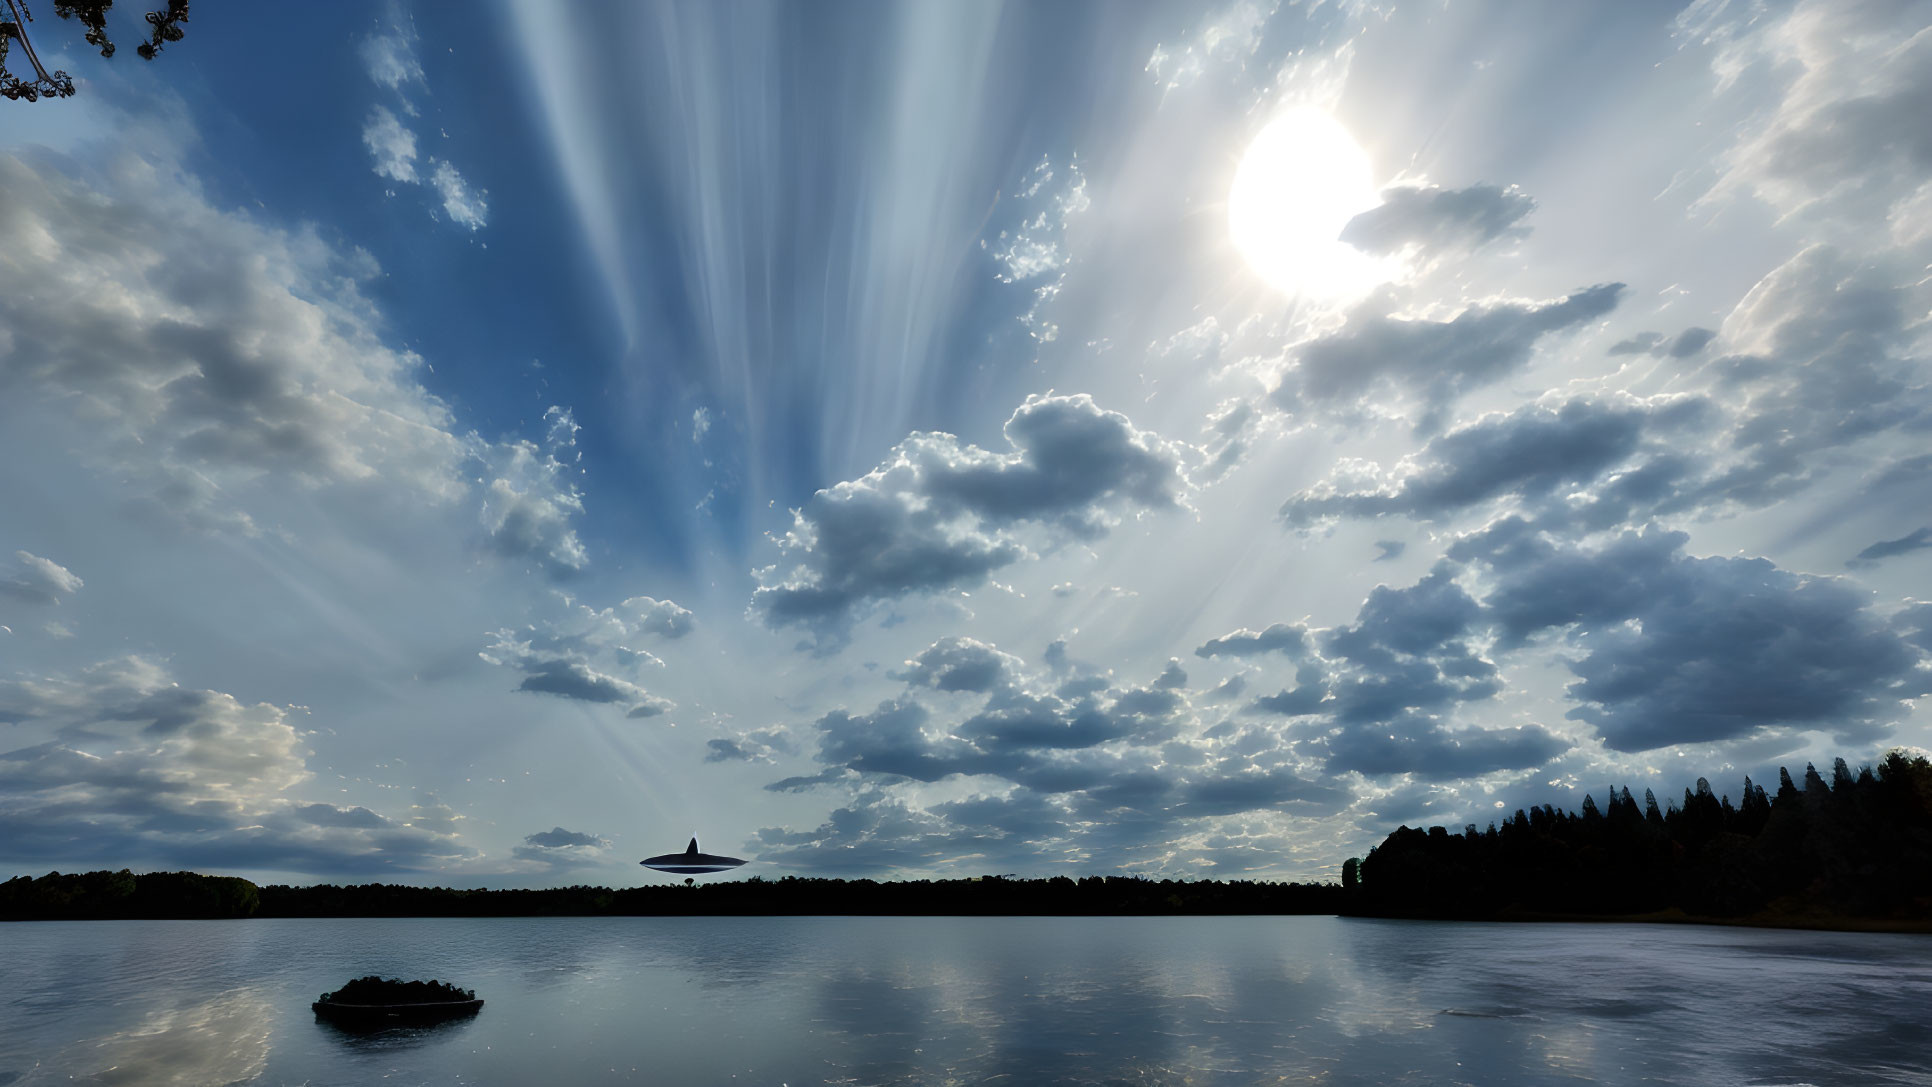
x=378, y=1001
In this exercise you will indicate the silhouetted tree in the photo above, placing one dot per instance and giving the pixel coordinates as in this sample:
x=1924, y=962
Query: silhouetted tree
x=1860, y=846
x=163, y=26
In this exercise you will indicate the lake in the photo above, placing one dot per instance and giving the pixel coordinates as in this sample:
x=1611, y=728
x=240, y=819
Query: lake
x=1014, y=1000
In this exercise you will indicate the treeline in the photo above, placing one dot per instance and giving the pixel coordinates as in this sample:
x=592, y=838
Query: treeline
x=120, y=895
x=102, y=896
x=1856, y=847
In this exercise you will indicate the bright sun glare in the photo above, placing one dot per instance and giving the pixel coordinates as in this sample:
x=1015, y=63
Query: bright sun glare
x=1300, y=183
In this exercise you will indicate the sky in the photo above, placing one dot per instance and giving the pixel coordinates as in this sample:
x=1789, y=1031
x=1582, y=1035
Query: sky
x=489, y=444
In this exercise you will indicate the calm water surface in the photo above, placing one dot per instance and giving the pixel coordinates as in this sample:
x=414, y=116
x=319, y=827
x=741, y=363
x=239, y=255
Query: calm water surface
x=1014, y=1001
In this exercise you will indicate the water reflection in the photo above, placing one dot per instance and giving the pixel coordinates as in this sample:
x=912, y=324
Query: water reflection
x=221, y=1041
x=374, y=1038
x=1204, y=1001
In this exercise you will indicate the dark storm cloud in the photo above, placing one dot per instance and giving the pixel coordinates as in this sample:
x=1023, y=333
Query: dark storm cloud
x=1286, y=638
x=1436, y=220
x=1916, y=540
x=1436, y=360
x=1678, y=649
x=1530, y=454
x=938, y=513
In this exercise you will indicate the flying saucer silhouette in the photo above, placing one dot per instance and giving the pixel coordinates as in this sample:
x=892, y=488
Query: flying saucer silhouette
x=691, y=862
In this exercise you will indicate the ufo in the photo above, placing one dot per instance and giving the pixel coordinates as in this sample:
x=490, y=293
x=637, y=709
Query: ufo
x=691, y=862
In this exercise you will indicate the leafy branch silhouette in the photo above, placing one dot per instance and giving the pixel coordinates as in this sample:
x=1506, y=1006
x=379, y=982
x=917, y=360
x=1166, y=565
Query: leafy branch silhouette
x=163, y=26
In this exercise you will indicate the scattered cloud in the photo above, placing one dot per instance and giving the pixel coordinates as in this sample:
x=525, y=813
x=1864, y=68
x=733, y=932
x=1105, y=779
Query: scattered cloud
x=939, y=514
x=1434, y=361
x=1432, y=221
x=1917, y=540
x=207, y=351
x=37, y=581
x=389, y=57
x=465, y=205
x=392, y=145
x=141, y=771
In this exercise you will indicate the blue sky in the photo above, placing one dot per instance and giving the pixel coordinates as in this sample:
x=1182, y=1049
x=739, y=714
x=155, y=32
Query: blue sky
x=491, y=443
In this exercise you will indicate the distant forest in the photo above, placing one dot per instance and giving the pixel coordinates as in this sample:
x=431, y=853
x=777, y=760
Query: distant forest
x=1856, y=848
x=114, y=895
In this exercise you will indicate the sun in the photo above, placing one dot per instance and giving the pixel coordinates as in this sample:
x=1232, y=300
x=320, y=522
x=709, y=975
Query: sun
x=1301, y=181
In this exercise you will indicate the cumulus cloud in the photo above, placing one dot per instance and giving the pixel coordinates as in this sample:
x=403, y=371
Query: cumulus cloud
x=961, y=664
x=663, y=618
x=1676, y=649
x=1533, y=453
x=1382, y=695
x=1436, y=361
x=36, y=580
x=1290, y=639
x=204, y=350
x=1095, y=747
x=759, y=745
x=141, y=771
x=585, y=654
x=939, y=514
x=1432, y=220
x=529, y=507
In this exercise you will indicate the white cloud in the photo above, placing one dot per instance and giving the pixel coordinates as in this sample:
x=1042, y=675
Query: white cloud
x=203, y=350
x=142, y=771
x=393, y=146
x=390, y=58
x=464, y=205
x=37, y=580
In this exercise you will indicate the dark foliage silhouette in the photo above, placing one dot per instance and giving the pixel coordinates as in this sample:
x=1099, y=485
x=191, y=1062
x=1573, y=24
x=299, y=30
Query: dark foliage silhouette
x=375, y=989
x=1858, y=847
x=97, y=896
x=163, y=26
x=121, y=895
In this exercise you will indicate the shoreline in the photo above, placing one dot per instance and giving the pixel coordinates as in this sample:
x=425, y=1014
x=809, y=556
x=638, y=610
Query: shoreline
x=1876, y=926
